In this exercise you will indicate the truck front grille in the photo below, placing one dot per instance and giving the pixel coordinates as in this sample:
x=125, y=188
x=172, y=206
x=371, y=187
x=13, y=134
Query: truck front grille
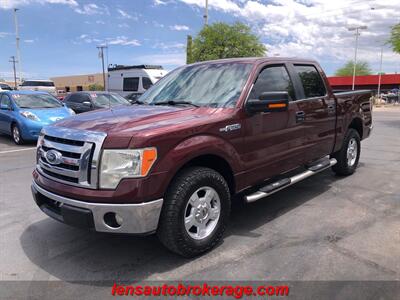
x=70, y=156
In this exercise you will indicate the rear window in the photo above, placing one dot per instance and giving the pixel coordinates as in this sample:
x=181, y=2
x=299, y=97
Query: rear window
x=37, y=83
x=131, y=84
x=311, y=80
x=5, y=87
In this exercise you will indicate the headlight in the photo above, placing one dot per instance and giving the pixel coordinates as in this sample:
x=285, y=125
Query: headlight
x=125, y=163
x=29, y=115
x=71, y=111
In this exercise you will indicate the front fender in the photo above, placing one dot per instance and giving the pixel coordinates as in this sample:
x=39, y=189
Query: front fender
x=194, y=147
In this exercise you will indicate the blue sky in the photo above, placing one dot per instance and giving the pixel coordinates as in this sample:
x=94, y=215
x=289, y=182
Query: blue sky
x=59, y=37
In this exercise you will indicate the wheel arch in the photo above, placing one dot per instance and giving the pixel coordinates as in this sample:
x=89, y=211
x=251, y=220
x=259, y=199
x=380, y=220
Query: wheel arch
x=357, y=124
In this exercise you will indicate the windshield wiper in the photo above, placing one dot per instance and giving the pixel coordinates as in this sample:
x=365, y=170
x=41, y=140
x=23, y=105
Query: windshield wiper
x=136, y=102
x=174, y=102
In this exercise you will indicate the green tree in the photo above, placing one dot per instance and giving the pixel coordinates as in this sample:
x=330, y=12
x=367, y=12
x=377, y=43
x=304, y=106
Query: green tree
x=221, y=40
x=362, y=68
x=96, y=87
x=395, y=38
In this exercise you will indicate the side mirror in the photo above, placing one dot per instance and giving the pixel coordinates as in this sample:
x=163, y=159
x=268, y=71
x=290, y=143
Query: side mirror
x=269, y=102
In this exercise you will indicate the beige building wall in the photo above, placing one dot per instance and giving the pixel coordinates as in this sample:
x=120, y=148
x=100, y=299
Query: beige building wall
x=75, y=83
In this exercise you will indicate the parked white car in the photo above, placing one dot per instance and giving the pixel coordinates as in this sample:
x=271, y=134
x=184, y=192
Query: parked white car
x=39, y=85
x=133, y=80
x=5, y=87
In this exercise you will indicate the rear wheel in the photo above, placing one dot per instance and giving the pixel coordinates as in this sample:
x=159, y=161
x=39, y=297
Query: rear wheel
x=195, y=212
x=347, y=157
x=16, y=134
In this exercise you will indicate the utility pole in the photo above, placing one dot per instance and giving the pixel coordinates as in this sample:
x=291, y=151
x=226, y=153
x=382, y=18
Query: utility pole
x=380, y=74
x=206, y=14
x=357, y=29
x=17, y=44
x=13, y=61
x=101, y=55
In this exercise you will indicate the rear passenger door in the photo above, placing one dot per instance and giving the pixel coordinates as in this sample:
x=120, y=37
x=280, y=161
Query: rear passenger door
x=316, y=111
x=5, y=113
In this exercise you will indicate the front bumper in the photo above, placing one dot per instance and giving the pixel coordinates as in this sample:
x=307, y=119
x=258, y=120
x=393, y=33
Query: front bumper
x=139, y=218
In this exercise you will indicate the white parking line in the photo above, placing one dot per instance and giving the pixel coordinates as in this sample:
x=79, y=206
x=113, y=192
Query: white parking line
x=17, y=150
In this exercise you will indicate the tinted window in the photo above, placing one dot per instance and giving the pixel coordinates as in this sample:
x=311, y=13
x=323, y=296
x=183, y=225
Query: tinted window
x=5, y=87
x=311, y=80
x=146, y=82
x=272, y=79
x=131, y=84
x=77, y=98
x=37, y=83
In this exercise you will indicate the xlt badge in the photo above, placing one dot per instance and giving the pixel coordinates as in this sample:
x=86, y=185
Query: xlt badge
x=230, y=127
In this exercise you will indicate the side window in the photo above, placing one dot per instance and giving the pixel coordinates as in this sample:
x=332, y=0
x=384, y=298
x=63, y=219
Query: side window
x=131, y=84
x=311, y=80
x=272, y=79
x=5, y=101
x=146, y=82
x=77, y=98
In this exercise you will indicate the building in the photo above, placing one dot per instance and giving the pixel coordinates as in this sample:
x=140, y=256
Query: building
x=75, y=83
x=369, y=82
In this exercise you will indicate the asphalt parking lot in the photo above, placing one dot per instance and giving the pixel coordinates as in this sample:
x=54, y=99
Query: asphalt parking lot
x=324, y=228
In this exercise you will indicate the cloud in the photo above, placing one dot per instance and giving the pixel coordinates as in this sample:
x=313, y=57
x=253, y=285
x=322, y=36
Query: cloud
x=125, y=15
x=4, y=34
x=179, y=27
x=165, y=46
x=159, y=25
x=100, y=22
x=316, y=28
x=29, y=41
x=167, y=59
x=123, y=41
x=9, y=4
x=92, y=9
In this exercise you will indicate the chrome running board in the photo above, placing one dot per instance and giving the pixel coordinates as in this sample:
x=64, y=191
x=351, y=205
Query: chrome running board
x=283, y=183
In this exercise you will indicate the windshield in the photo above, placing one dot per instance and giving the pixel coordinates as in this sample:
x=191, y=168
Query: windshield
x=106, y=100
x=36, y=101
x=37, y=83
x=215, y=85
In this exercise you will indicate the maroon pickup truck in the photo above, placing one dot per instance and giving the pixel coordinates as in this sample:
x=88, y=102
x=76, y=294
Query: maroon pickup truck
x=171, y=163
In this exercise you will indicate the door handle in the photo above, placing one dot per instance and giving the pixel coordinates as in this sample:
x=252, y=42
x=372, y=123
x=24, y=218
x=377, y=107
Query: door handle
x=300, y=116
x=331, y=108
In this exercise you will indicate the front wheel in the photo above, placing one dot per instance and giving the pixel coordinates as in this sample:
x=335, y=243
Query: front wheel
x=195, y=212
x=347, y=157
x=16, y=135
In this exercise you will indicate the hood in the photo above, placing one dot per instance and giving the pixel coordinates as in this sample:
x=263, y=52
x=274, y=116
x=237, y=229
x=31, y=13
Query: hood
x=126, y=120
x=49, y=115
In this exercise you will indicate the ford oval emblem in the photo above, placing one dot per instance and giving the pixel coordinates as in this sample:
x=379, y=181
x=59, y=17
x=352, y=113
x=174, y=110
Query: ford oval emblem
x=53, y=157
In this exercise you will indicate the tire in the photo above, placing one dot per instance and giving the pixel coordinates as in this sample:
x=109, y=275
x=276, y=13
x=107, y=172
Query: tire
x=16, y=135
x=186, y=203
x=347, y=162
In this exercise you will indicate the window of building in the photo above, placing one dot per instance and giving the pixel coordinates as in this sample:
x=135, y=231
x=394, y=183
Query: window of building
x=311, y=80
x=131, y=84
x=67, y=89
x=272, y=79
x=79, y=88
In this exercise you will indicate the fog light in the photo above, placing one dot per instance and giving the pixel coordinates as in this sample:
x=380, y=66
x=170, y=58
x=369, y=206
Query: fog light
x=113, y=220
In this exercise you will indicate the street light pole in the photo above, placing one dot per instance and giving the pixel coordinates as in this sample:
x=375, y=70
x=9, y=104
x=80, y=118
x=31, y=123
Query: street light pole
x=357, y=29
x=206, y=14
x=101, y=55
x=17, y=44
x=380, y=74
x=13, y=61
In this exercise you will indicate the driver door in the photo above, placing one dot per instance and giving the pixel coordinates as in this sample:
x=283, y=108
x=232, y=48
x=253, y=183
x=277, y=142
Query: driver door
x=273, y=141
x=5, y=113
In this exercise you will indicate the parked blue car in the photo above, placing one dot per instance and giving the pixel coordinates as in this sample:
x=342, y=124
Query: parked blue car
x=24, y=113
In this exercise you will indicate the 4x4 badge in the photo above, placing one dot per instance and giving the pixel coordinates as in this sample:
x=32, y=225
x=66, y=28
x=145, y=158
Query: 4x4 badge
x=230, y=127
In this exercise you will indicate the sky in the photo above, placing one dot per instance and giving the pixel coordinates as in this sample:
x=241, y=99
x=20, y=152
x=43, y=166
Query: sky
x=59, y=37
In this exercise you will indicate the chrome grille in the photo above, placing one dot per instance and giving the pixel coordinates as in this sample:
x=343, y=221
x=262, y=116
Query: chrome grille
x=70, y=156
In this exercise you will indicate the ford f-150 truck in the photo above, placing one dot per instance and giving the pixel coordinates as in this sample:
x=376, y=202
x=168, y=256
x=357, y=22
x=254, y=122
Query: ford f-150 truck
x=206, y=132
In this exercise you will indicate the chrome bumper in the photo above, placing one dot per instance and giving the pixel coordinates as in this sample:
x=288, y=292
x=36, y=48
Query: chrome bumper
x=136, y=218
